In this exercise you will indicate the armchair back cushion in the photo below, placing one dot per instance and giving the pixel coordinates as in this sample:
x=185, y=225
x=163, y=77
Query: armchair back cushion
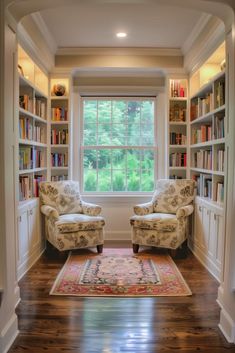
x=64, y=196
x=172, y=194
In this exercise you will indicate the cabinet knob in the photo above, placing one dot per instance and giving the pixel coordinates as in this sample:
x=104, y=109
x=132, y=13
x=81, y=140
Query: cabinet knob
x=200, y=208
x=215, y=216
x=31, y=212
x=19, y=218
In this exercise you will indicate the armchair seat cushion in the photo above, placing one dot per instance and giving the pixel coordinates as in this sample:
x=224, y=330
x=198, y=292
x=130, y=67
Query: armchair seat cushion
x=163, y=222
x=78, y=222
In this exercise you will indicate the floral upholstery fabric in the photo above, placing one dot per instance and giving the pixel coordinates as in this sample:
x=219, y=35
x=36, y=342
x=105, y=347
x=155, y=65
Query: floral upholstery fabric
x=172, y=194
x=163, y=222
x=64, y=196
x=70, y=222
x=75, y=222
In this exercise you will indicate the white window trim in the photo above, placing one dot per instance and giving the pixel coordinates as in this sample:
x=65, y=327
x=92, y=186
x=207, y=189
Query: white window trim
x=161, y=133
x=116, y=194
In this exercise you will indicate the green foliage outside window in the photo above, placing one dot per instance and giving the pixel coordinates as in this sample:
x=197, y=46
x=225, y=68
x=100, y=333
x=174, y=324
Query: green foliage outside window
x=118, y=145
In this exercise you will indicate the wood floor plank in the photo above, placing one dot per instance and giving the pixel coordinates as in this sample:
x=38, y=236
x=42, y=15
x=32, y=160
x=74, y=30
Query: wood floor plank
x=118, y=325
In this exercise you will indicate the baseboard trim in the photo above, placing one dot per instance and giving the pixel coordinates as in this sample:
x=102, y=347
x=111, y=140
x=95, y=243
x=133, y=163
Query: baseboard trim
x=9, y=334
x=227, y=325
x=117, y=236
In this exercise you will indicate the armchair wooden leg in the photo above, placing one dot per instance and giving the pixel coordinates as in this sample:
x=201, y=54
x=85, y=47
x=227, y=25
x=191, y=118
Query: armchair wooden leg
x=100, y=248
x=135, y=248
x=173, y=253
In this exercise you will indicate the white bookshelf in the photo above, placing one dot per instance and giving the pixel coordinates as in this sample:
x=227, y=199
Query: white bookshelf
x=32, y=127
x=60, y=129
x=177, y=127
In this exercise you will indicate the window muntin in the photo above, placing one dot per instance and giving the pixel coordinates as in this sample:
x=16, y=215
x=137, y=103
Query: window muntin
x=118, y=149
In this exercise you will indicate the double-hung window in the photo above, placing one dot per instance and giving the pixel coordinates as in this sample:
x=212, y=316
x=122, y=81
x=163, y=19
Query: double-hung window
x=118, y=145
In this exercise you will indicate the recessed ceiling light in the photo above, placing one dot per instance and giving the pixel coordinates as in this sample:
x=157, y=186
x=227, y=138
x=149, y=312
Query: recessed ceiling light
x=121, y=34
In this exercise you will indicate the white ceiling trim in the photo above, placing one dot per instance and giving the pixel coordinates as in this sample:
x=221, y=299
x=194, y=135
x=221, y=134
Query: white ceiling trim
x=29, y=45
x=120, y=51
x=43, y=28
x=198, y=28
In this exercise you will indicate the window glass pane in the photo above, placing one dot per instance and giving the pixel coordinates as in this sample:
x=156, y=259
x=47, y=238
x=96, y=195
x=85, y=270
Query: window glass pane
x=104, y=159
x=89, y=134
x=147, y=113
x=119, y=112
x=118, y=134
x=133, y=135
x=133, y=112
x=133, y=180
x=104, y=111
x=118, y=159
x=90, y=111
x=147, y=134
x=104, y=180
x=147, y=159
x=90, y=159
x=104, y=137
x=133, y=159
x=90, y=180
x=147, y=180
x=119, y=180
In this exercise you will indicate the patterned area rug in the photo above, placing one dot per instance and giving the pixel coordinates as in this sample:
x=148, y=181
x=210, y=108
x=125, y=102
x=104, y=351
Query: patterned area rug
x=119, y=272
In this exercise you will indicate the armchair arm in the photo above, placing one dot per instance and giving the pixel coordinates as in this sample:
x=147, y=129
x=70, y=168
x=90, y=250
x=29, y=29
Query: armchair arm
x=90, y=209
x=50, y=211
x=184, y=211
x=143, y=209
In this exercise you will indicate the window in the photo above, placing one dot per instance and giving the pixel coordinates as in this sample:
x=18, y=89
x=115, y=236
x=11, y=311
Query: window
x=118, y=148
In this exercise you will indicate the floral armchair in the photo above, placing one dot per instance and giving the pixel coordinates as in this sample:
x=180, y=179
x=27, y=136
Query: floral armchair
x=163, y=222
x=70, y=222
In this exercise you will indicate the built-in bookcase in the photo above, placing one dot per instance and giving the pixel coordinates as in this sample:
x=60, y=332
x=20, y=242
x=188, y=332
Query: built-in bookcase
x=59, y=157
x=32, y=126
x=177, y=127
x=207, y=131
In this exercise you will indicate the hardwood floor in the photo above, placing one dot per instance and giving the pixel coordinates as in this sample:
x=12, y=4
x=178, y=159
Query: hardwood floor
x=111, y=325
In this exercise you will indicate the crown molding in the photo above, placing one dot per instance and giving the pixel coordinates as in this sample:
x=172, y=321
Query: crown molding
x=206, y=43
x=29, y=45
x=197, y=29
x=120, y=51
x=43, y=28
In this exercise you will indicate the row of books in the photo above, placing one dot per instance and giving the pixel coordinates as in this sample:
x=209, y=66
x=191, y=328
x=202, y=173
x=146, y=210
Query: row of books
x=177, y=89
x=59, y=114
x=59, y=159
x=204, y=185
x=219, y=94
x=29, y=187
x=28, y=131
x=219, y=127
x=178, y=159
x=59, y=137
x=30, y=158
x=201, y=106
x=59, y=177
x=220, y=161
x=177, y=139
x=177, y=113
x=202, y=134
x=202, y=159
x=205, y=188
x=34, y=105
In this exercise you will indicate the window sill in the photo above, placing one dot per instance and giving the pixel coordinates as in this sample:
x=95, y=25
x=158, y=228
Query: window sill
x=117, y=198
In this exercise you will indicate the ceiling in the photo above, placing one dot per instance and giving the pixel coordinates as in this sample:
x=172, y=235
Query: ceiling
x=95, y=25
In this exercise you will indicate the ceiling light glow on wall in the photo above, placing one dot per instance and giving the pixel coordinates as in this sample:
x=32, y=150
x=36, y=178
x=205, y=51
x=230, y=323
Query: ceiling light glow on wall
x=121, y=34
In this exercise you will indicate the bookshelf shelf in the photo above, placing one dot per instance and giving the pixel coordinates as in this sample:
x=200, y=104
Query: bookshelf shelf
x=60, y=168
x=60, y=146
x=177, y=146
x=208, y=143
x=25, y=112
x=30, y=171
x=178, y=168
x=180, y=123
x=59, y=122
x=32, y=143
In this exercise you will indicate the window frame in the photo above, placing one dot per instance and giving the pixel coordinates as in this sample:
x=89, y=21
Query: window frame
x=82, y=147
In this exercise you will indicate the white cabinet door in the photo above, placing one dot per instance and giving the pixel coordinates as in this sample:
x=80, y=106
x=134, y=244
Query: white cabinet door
x=198, y=225
x=23, y=236
x=33, y=227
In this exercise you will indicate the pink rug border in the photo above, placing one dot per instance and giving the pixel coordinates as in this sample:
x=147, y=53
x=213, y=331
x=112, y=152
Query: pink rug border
x=123, y=251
